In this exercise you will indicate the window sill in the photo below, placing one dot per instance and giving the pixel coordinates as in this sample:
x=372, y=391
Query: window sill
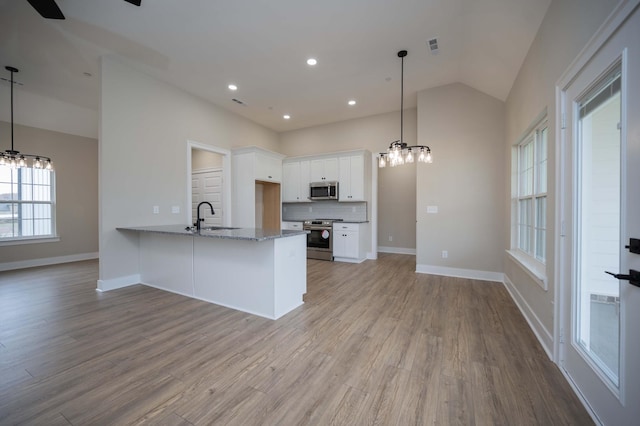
x=29, y=240
x=534, y=269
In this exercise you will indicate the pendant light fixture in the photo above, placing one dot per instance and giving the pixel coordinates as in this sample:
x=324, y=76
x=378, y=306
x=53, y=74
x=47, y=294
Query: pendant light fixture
x=13, y=158
x=399, y=152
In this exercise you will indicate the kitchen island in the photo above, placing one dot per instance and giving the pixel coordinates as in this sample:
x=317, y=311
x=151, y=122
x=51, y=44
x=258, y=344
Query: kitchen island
x=259, y=271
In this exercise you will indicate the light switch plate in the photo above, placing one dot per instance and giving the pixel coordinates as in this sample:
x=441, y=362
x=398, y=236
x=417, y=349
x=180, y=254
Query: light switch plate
x=156, y=209
x=175, y=209
x=432, y=209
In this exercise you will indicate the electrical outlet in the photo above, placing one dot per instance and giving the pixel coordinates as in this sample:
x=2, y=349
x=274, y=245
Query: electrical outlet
x=156, y=209
x=353, y=209
x=390, y=238
x=445, y=254
x=310, y=209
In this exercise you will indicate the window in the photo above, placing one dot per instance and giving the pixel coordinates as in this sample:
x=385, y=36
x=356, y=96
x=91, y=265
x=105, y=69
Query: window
x=27, y=203
x=530, y=194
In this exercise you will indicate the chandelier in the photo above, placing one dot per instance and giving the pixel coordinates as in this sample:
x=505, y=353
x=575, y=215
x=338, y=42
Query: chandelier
x=399, y=152
x=15, y=159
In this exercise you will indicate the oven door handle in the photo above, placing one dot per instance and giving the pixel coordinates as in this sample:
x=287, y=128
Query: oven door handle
x=319, y=228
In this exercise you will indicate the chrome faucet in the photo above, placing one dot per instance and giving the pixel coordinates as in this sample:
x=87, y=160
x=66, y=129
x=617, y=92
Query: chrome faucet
x=199, y=220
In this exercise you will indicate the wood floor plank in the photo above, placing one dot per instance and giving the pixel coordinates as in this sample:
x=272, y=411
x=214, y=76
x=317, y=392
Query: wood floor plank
x=374, y=343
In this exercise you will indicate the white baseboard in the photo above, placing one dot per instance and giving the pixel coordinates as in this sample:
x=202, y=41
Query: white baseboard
x=8, y=266
x=460, y=273
x=397, y=250
x=348, y=260
x=120, y=282
x=372, y=255
x=544, y=336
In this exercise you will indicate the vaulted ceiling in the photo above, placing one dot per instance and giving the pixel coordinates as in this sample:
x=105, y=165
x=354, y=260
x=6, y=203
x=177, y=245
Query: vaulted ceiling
x=262, y=46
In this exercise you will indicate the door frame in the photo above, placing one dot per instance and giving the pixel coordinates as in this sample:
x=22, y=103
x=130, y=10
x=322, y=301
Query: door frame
x=563, y=154
x=226, y=178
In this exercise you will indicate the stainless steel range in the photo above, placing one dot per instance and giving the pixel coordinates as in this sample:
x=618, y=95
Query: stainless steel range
x=320, y=238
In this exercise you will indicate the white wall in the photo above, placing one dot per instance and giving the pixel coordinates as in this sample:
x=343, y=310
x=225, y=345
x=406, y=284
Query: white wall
x=144, y=128
x=565, y=30
x=465, y=130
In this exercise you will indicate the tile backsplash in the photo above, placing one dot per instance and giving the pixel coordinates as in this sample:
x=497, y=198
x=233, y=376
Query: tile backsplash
x=325, y=210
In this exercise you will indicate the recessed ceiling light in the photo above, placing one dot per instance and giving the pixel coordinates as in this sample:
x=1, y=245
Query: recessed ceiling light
x=311, y=61
x=286, y=116
x=232, y=87
x=352, y=102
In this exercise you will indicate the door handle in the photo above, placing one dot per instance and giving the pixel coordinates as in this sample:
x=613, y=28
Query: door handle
x=633, y=277
x=634, y=245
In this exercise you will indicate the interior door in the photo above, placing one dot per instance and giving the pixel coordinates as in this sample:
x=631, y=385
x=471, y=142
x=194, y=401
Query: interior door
x=600, y=201
x=206, y=185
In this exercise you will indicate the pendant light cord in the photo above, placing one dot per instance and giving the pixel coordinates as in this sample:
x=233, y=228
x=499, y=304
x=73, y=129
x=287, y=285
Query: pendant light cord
x=401, y=99
x=11, y=83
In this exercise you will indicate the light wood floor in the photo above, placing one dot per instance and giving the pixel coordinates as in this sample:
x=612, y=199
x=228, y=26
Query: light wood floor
x=374, y=343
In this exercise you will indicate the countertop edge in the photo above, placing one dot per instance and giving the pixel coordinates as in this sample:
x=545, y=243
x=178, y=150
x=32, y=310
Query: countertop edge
x=230, y=234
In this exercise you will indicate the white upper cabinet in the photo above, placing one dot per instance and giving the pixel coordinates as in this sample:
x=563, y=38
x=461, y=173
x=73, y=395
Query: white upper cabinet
x=352, y=170
x=268, y=168
x=295, y=181
x=324, y=170
x=351, y=178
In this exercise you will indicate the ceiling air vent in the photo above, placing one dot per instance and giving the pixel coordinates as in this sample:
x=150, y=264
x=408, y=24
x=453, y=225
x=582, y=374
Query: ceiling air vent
x=239, y=102
x=433, y=46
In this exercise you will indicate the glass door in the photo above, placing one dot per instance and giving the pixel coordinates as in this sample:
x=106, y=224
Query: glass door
x=599, y=204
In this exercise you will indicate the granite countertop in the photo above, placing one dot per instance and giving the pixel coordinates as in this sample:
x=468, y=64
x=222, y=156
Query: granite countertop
x=252, y=234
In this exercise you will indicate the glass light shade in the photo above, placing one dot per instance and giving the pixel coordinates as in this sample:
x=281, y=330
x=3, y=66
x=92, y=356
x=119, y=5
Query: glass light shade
x=49, y=166
x=382, y=162
x=429, y=159
x=37, y=164
x=409, y=157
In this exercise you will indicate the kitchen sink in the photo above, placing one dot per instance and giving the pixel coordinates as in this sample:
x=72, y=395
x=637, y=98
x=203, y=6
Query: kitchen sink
x=217, y=228
x=210, y=228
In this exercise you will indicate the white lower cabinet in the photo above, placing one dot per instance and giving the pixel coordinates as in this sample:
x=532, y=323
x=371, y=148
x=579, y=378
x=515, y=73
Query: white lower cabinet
x=347, y=246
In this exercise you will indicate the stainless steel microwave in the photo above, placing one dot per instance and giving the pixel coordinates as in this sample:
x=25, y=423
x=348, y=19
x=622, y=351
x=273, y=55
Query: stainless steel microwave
x=323, y=190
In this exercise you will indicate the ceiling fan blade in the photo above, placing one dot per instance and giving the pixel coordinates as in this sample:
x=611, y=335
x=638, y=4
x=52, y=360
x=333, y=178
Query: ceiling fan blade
x=136, y=2
x=47, y=8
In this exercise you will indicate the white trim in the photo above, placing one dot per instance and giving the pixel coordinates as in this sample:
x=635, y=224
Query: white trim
x=120, y=282
x=398, y=250
x=252, y=148
x=8, y=266
x=585, y=403
x=460, y=273
x=372, y=255
x=614, y=21
x=534, y=269
x=544, y=336
x=29, y=240
x=348, y=259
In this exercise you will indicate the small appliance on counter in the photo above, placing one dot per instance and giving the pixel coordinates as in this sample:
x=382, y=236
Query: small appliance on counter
x=320, y=238
x=323, y=190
